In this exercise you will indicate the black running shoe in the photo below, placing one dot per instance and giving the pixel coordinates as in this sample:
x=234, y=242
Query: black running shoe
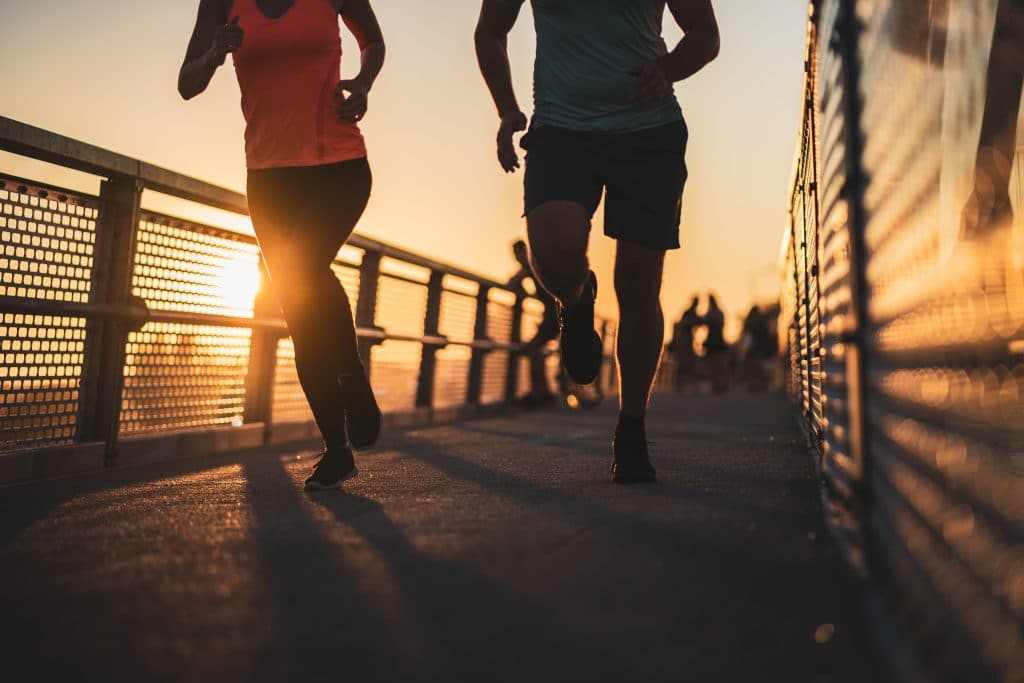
x=332, y=469
x=631, y=463
x=580, y=344
x=362, y=414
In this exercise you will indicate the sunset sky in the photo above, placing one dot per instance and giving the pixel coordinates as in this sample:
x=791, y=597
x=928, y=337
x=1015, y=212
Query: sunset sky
x=105, y=72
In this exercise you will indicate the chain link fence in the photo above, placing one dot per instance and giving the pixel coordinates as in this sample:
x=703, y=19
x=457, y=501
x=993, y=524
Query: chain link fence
x=903, y=316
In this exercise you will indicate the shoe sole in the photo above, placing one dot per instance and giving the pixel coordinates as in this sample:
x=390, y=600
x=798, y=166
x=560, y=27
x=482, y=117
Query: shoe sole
x=359, y=448
x=362, y=448
x=588, y=378
x=317, y=486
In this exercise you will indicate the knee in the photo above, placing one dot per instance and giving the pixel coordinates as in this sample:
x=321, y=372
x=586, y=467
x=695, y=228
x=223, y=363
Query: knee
x=559, y=232
x=557, y=264
x=294, y=281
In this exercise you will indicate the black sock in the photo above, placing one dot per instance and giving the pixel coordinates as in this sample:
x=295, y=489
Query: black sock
x=631, y=427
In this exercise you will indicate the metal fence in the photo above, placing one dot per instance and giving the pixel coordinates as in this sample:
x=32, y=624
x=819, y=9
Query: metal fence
x=903, y=310
x=129, y=335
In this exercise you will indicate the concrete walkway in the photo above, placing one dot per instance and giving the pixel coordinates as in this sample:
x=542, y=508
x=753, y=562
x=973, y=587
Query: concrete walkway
x=491, y=550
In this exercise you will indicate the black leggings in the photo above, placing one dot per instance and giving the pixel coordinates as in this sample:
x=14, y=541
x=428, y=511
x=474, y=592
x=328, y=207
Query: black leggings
x=302, y=216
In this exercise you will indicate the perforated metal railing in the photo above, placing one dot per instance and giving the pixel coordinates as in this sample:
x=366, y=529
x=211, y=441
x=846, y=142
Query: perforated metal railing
x=125, y=326
x=46, y=249
x=919, y=293
x=180, y=375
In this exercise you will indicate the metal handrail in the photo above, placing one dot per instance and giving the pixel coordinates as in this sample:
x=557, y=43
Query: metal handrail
x=30, y=141
x=112, y=311
x=38, y=143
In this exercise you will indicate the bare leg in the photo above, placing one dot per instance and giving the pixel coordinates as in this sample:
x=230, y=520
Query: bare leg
x=641, y=323
x=559, y=233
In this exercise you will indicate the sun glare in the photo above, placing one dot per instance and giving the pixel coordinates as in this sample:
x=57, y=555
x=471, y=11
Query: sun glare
x=239, y=284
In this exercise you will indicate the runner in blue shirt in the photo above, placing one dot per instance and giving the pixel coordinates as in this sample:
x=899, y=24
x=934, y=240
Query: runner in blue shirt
x=605, y=121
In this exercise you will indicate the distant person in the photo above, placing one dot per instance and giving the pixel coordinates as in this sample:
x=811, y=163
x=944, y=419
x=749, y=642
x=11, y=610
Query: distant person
x=757, y=331
x=540, y=394
x=681, y=345
x=756, y=348
x=605, y=122
x=922, y=30
x=715, y=346
x=308, y=184
x=988, y=207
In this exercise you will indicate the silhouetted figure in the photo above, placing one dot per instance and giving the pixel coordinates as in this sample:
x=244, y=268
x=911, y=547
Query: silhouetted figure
x=921, y=30
x=540, y=394
x=681, y=345
x=756, y=348
x=989, y=203
x=715, y=347
x=605, y=122
x=308, y=183
x=755, y=327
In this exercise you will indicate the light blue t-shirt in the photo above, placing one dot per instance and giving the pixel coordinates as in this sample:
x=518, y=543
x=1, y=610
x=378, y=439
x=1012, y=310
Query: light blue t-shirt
x=585, y=51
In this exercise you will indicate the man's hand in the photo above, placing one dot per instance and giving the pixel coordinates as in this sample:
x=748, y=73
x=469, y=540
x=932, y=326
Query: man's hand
x=651, y=85
x=353, y=106
x=226, y=40
x=510, y=125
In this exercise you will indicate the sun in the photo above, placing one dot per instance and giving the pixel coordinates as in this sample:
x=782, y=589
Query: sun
x=239, y=283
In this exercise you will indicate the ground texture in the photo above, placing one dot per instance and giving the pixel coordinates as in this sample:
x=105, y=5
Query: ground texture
x=492, y=550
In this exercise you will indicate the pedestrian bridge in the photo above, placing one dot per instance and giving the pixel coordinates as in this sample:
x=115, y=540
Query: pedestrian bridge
x=139, y=353
x=141, y=356
x=485, y=550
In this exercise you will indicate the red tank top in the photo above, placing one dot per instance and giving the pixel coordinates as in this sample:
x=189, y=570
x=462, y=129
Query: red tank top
x=287, y=70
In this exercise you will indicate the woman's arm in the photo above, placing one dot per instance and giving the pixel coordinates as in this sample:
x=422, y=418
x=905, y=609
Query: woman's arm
x=212, y=39
x=360, y=19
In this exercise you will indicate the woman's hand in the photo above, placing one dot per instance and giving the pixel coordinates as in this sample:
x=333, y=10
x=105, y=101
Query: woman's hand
x=226, y=40
x=351, y=107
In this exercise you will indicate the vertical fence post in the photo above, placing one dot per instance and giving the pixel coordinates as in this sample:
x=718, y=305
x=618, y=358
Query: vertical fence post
x=853, y=193
x=805, y=301
x=514, y=357
x=476, y=361
x=106, y=338
x=366, y=305
x=428, y=356
x=259, y=379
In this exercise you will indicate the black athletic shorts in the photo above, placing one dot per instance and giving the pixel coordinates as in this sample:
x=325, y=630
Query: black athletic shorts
x=642, y=173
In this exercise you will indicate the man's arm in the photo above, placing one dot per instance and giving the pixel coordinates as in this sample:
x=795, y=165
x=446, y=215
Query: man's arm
x=698, y=47
x=700, y=41
x=497, y=17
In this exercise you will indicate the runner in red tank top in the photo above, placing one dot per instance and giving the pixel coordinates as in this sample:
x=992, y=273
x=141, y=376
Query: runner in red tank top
x=308, y=184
